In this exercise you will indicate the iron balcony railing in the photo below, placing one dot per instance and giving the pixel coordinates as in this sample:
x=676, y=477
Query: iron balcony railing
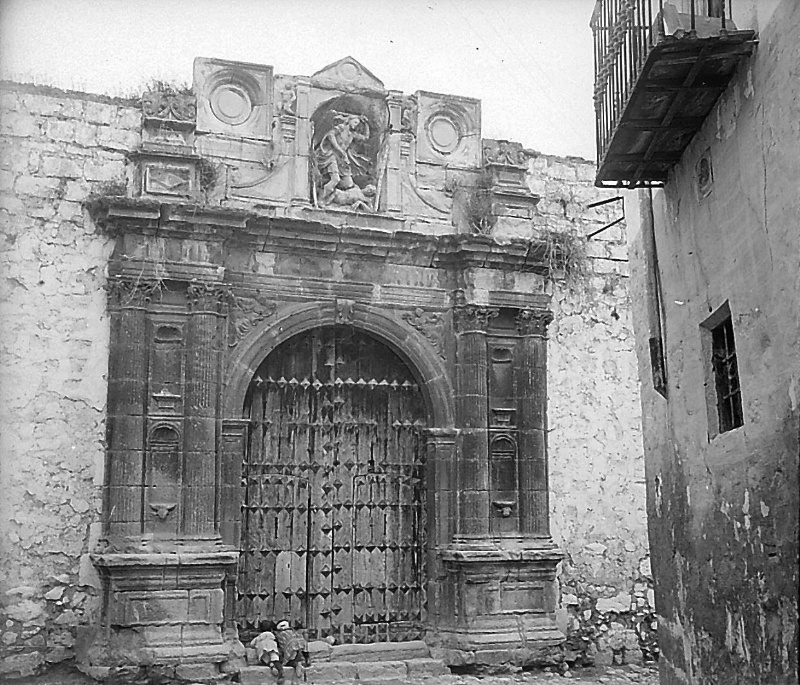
x=625, y=34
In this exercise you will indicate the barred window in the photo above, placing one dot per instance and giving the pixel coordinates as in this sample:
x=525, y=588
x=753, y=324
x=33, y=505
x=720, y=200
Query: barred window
x=726, y=376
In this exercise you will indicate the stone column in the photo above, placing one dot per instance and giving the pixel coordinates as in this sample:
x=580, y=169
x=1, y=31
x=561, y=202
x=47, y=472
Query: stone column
x=472, y=416
x=202, y=398
x=532, y=417
x=127, y=374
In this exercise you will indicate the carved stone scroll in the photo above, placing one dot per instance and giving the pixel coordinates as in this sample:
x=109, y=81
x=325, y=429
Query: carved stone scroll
x=169, y=105
x=246, y=312
x=430, y=325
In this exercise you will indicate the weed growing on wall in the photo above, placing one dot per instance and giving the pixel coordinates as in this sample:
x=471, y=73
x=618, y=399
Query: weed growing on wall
x=480, y=206
x=565, y=254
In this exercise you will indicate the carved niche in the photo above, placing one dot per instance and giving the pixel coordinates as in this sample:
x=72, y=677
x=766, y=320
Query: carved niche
x=348, y=152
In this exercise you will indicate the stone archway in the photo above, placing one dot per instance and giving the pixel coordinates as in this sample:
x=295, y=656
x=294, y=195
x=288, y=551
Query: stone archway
x=334, y=517
x=429, y=369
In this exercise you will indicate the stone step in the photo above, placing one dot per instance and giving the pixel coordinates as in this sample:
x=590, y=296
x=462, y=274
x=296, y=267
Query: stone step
x=381, y=651
x=365, y=672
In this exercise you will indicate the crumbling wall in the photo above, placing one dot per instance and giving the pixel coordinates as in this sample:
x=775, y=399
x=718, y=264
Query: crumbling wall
x=55, y=149
x=723, y=506
x=597, y=498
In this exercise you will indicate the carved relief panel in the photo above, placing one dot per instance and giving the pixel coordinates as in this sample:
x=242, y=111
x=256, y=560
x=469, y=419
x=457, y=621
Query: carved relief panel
x=348, y=152
x=448, y=130
x=233, y=98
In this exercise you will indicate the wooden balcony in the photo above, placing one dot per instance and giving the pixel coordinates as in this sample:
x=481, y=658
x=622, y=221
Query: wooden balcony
x=659, y=69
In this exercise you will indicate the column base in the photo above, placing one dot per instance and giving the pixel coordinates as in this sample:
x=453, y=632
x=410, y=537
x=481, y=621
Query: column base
x=164, y=608
x=505, y=603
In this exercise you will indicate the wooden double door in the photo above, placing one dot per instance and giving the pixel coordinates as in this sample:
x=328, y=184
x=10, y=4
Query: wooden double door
x=333, y=520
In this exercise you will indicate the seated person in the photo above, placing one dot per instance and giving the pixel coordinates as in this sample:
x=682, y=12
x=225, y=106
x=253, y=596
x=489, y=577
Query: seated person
x=293, y=649
x=266, y=647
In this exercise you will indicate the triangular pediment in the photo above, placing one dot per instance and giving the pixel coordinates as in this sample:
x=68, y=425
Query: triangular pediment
x=347, y=73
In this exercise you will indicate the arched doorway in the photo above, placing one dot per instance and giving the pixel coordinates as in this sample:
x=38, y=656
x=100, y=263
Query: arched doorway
x=333, y=521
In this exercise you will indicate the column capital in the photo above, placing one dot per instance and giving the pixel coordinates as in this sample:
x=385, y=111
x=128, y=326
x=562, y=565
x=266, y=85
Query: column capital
x=130, y=294
x=473, y=318
x=208, y=297
x=533, y=321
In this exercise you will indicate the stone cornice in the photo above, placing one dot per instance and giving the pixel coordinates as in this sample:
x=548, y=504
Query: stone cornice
x=317, y=232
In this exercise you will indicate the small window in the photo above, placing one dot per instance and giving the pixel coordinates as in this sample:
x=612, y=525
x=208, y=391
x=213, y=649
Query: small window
x=726, y=376
x=723, y=390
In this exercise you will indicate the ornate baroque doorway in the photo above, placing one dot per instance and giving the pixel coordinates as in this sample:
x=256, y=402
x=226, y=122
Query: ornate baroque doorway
x=333, y=521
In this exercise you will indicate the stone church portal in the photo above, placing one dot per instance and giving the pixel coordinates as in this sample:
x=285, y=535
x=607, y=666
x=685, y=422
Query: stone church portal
x=327, y=388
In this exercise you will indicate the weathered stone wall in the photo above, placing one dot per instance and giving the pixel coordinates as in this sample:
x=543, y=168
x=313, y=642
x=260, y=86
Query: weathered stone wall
x=723, y=508
x=58, y=148
x=596, y=463
x=55, y=149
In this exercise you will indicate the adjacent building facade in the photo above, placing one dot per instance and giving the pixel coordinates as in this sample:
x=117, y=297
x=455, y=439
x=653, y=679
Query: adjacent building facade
x=701, y=107
x=280, y=350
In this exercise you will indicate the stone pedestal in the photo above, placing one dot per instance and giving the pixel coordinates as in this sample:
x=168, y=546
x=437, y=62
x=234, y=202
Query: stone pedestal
x=163, y=608
x=506, y=598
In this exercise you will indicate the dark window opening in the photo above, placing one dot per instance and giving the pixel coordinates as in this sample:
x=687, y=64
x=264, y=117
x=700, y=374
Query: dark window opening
x=726, y=376
x=658, y=367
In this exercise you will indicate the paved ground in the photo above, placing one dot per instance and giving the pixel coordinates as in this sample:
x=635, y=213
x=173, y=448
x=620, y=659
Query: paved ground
x=612, y=675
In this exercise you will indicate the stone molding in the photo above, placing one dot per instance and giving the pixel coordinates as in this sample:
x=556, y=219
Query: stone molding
x=519, y=550
x=312, y=233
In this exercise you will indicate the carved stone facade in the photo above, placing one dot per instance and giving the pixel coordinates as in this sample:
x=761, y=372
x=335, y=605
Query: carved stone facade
x=200, y=307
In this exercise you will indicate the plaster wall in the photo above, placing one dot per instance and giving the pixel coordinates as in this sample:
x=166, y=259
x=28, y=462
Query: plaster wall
x=723, y=509
x=595, y=446
x=57, y=149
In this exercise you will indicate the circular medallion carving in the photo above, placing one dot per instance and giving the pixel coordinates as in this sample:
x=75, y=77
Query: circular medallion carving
x=349, y=71
x=231, y=103
x=444, y=133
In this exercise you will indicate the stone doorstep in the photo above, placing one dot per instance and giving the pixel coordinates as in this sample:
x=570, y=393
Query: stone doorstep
x=367, y=672
x=381, y=651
